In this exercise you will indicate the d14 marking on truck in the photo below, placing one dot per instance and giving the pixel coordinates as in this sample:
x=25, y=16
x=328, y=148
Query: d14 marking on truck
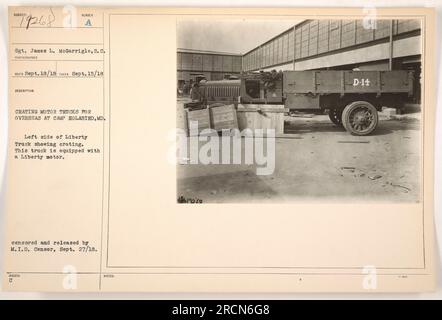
x=361, y=82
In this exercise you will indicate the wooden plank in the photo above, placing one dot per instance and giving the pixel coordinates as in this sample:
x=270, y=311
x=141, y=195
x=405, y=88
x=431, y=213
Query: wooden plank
x=262, y=107
x=247, y=108
x=268, y=109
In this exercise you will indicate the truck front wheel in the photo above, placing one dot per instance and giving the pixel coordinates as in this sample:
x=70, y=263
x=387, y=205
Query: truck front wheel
x=360, y=118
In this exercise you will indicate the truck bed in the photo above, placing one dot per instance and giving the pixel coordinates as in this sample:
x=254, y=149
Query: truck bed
x=342, y=82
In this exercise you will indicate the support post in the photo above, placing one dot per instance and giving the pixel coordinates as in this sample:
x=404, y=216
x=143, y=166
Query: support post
x=390, y=57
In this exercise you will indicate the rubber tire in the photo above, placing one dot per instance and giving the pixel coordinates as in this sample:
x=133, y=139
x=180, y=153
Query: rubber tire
x=332, y=119
x=346, y=120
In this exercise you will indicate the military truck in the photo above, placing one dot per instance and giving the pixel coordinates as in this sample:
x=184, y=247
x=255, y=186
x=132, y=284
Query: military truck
x=352, y=98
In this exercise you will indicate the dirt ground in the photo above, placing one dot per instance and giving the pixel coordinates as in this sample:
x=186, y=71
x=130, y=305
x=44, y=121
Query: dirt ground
x=320, y=162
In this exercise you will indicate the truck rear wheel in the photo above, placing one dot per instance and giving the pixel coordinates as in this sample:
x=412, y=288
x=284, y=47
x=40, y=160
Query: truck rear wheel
x=335, y=116
x=360, y=118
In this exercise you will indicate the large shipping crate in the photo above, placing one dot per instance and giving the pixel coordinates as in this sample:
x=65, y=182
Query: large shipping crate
x=202, y=117
x=223, y=117
x=264, y=117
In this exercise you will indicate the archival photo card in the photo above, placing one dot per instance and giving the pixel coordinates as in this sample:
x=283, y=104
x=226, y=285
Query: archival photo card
x=225, y=150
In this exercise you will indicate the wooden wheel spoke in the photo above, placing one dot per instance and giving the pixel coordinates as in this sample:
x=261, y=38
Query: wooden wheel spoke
x=360, y=118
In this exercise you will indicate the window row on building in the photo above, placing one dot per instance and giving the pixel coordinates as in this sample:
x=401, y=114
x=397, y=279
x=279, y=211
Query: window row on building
x=313, y=37
x=208, y=62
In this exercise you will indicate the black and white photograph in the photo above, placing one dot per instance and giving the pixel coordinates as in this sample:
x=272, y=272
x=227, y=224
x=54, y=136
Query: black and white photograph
x=231, y=151
x=318, y=110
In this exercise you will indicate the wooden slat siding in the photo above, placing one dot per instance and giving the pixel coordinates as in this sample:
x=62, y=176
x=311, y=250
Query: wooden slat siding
x=203, y=118
x=223, y=117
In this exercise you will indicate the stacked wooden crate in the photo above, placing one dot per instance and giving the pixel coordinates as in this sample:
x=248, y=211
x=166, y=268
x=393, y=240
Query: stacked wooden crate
x=216, y=118
x=201, y=118
x=223, y=117
x=243, y=117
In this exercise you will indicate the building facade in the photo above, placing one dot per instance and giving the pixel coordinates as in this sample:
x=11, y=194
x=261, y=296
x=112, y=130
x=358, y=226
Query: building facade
x=196, y=64
x=339, y=44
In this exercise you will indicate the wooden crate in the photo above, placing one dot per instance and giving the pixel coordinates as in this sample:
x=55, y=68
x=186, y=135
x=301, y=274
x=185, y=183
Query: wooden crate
x=261, y=117
x=201, y=116
x=223, y=117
